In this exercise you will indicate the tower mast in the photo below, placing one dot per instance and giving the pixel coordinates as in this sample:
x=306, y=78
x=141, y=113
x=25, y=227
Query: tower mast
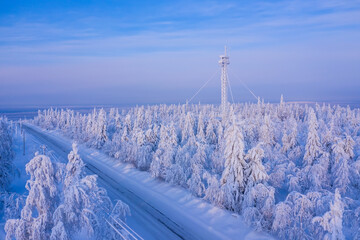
x=224, y=62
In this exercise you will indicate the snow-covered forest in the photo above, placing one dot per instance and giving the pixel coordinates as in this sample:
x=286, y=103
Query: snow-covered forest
x=6, y=155
x=63, y=203
x=289, y=169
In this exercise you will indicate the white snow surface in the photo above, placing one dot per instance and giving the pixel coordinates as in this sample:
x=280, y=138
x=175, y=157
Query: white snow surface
x=193, y=218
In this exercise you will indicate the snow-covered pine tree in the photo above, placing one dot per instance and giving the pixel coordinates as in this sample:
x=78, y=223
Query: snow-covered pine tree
x=349, y=146
x=195, y=183
x=313, y=146
x=200, y=134
x=100, y=129
x=232, y=180
x=164, y=155
x=188, y=130
x=258, y=197
x=210, y=134
x=74, y=167
x=267, y=132
x=290, y=140
x=342, y=175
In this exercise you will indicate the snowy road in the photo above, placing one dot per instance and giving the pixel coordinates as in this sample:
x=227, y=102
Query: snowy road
x=145, y=219
x=159, y=210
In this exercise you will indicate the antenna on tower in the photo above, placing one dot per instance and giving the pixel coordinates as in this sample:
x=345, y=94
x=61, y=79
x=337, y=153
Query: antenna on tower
x=224, y=62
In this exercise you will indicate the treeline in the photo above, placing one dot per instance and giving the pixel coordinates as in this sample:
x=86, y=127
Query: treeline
x=289, y=169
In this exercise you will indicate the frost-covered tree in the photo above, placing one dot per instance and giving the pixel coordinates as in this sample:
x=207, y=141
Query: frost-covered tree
x=210, y=133
x=164, y=155
x=332, y=221
x=258, y=197
x=255, y=171
x=213, y=192
x=312, y=147
x=292, y=218
x=317, y=176
x=100, y=130
x=283, y=220
x=188, y=130
x=83, y=204
x=258, y=206
x=74, y=167
x=195, y=183
x=349, y=146
x=342, y=175
x=232, y=179
x=289, y=141
x=36, y=217
x=266, y=132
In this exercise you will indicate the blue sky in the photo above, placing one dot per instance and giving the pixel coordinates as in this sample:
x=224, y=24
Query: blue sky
x=135, y=52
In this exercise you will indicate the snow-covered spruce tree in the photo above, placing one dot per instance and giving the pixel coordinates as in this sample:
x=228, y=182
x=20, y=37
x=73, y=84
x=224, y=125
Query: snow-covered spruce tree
x=313, y=146
x=342, y=175
x=210, y=133
x=218, y=158
x=331, y=222
x=173, y=138
x=100, y=130
x=198, y=161
x=200, y=134
x=255, y=172
x=289, y=141
x=115, y=145
x=266, y=132
x=340, y=166
x=36, y=216
x=137, y=153
x=349, y=146
x=164, y=155
x=84, y=204
x=188, y=130
x=195, y=183
x=232, y=180
x=258, y=197
x=327, y=139
x=338, y=151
